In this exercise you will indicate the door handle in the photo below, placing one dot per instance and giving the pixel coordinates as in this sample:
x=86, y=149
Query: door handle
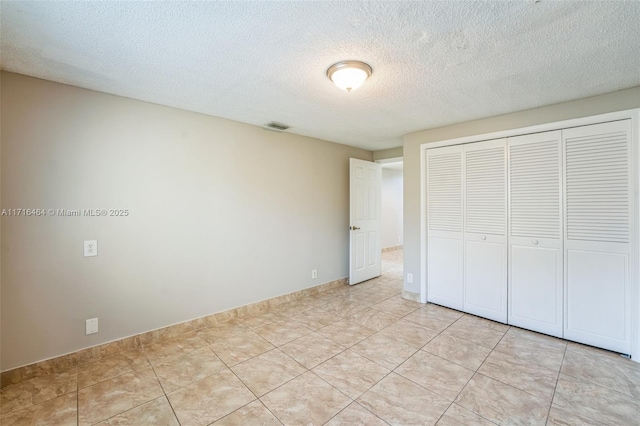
x=353, y=228
x=484, y=237
x=535, y=242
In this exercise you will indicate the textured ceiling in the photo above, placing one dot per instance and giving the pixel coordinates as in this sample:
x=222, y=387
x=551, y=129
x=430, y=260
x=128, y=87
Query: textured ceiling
x=434, y=63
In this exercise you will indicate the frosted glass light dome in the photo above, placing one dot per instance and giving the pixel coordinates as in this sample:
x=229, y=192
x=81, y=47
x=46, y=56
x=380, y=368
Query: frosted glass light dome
x=349, y=75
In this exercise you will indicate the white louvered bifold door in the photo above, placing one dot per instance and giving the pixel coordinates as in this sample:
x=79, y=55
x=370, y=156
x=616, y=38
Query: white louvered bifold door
x=598, y=212
x=485, y=229
x=535, y=232
x=444, y=225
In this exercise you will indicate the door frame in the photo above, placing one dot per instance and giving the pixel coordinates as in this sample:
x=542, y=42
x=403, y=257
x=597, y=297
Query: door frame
x=634, y=116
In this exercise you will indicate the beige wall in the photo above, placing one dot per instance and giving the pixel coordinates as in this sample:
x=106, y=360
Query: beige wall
x=387, y=153
x=616, y=101
x=391, y=216
x=221, y=214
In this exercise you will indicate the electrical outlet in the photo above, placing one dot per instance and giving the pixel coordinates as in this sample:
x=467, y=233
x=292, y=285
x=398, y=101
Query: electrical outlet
x=90, y=248
x=314, y=274
x=409, y=278
x=91, y=326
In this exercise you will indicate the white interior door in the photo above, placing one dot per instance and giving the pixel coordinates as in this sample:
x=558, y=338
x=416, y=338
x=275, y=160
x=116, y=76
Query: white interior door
x=364, y=212
x=535, y=232
x=599, y=191
x=485, y=229
x=444, y=225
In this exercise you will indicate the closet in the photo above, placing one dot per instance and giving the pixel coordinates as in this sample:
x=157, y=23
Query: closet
x=535, y=230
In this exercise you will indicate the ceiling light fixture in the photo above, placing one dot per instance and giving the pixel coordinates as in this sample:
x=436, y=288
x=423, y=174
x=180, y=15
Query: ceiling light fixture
x=349, y=75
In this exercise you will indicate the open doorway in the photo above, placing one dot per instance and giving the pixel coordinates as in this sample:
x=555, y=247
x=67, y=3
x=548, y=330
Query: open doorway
x=376, y=220
x=391, y=230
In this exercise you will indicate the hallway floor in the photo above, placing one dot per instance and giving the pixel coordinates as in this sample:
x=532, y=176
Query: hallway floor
x=353, y=355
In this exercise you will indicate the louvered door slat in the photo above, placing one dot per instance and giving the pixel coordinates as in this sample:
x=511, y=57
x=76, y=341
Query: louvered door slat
x=444, y=174
x=534, y=175
x=485, y=191
x=597, y=183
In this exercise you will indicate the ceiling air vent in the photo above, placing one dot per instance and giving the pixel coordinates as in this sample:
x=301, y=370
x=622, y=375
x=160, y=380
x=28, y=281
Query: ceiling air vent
x=274, y=125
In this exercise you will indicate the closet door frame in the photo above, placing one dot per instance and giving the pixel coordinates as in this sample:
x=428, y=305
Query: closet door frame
x=634, y=115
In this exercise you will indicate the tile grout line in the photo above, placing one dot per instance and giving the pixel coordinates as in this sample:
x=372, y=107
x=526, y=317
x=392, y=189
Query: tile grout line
x=129, y=409
x=590, y=381
x=16, y=410
x=244, y=384
x=371, y=411
x=277, y=387
x=394, y=369
x=349, y=348
x=445, y=411
x=527, y=337
x=237, y=377
x=315, y=374
x=133, y=408
x=372, y=386
x=166, y=396
x=376, y=362
x=465, y=385
x=474, y=374
x=353, y=401
x=578, y=378
x=507, y=384
x=245, y=360
x=518, y=356
x=564, y=354
x=510, y=385
x=365, y=408
x=316, y=331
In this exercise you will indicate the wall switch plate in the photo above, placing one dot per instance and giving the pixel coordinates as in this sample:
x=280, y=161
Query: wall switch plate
x=92, y=326
x=409, y=278
x=90, y=248
x=314, y=274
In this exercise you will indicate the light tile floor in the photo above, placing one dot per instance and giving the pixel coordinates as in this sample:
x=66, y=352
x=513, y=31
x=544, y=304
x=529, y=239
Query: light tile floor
x=353, y=355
